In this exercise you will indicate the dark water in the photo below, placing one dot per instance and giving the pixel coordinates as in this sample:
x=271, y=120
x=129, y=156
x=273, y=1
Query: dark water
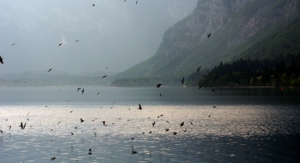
x=228, y=125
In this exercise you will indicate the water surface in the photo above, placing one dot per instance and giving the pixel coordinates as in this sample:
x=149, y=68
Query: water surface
x=228, y=125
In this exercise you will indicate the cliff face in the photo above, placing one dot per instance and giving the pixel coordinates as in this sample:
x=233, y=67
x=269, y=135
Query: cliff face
x=235, y=26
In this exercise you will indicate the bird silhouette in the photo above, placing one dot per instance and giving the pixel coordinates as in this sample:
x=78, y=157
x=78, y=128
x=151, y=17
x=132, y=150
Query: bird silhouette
x=136, y=2
x=181, y=124
x=58, y=122
x=208, y=35
x=81, y=120
x=53, y=158
x=1, y=59
x=72, y=133
x=198, y=69
x=103, y=122
x=140, y=107
x=153, y=124
x=200, y=86
x=93, y=4
x=60, y=44
x=98, y=93
x=174, y=133
x=23, y=126
x=1, y=131
x=104, y=76
x=167, y=129
x=82, y=91
x=49, y=69
x=158, y=85
x=160, y=94
x=13, y=44
x=76, y=40
x=182, y=81
x=133, y=151
x=90, y=151
x=78, y=89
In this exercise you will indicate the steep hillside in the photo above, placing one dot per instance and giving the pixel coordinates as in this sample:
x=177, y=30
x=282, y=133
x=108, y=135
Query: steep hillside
x=236, y=25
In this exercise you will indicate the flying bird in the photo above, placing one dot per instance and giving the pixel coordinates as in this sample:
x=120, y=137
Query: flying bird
x=23, y=126
x=90, y=151
x=76, y=40
x=49, y=69
x=153, y=124
x=1, y=131
x=81, y=120
x=58, y=122
x=103, y=122
x=93, y=4
x=53, y=158
x=13, y=44
x=167, y=129
x=181, y=124
x=1, y=59
x=104, y=76
x=140, y=107
x=133, y=151
x=208, y=35
x=200, y=86
x=182, y=81
x=82, y=91
x=158, y=85
x=72, y=133
x=136, y=2
x=160, y=94
x=198, y=69
x=98, y=93
x=78, y=89
x=174, y=133
x=60, y=44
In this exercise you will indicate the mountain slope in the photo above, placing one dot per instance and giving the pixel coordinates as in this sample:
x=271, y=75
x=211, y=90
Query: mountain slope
x=235, y=25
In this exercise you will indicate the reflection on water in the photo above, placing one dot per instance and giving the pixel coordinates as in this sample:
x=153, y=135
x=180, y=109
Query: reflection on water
x=226, y=133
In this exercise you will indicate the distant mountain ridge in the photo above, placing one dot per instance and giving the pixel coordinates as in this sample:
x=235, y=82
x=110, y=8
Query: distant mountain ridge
x=236, y=25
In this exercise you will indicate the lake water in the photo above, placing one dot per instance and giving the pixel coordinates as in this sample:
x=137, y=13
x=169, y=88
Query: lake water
x=228, y=125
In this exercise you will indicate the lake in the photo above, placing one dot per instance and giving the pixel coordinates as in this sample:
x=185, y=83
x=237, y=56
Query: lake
x=182, y=125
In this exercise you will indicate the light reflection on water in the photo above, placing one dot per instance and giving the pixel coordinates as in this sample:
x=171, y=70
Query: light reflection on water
x=227, y=133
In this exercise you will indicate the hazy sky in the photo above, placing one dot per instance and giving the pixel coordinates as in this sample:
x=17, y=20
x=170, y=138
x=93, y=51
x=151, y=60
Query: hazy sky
x=113, y=33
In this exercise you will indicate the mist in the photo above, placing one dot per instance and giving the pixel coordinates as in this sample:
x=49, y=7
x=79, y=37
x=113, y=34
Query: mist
x=113, y=35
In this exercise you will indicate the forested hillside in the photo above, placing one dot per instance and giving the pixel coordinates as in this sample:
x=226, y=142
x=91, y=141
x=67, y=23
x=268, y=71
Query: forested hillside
x=282, y=71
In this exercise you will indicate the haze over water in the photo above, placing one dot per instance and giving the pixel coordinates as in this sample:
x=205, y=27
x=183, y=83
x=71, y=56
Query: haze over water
x=246, y=125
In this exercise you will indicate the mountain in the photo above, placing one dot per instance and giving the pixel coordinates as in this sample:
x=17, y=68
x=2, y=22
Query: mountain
x=235, y=27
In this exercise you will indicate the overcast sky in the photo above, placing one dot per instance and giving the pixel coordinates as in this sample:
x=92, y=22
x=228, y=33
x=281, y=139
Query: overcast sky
x=113, y=33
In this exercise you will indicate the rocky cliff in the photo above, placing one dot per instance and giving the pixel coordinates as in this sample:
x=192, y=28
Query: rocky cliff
x=235, y=25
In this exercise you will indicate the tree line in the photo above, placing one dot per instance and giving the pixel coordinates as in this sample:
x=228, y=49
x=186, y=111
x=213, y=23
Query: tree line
x=282, y=71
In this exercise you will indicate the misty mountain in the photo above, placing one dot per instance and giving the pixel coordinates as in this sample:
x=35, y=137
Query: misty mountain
x=235, y=27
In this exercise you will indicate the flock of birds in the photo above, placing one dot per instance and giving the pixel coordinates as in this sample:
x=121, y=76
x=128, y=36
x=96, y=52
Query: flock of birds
x=133, y=151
